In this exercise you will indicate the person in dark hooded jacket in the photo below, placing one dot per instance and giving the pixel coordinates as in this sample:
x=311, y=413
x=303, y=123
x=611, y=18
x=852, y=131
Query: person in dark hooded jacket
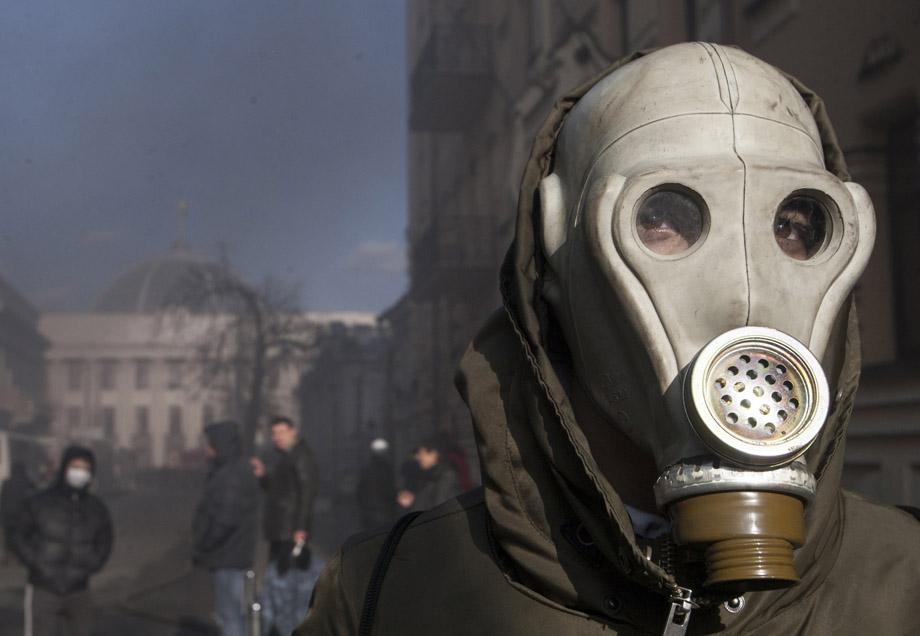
x=576, y=396
x=226, y=524
x=376, y=490
x=63, y=536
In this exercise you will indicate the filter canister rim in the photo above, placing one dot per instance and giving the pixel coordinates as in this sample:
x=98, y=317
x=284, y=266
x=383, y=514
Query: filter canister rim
x=771, y=446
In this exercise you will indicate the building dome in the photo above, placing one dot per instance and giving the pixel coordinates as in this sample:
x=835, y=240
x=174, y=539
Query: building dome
x=152, y=285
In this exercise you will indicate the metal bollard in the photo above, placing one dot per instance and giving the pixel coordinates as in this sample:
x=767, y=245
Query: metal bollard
x=253, y=607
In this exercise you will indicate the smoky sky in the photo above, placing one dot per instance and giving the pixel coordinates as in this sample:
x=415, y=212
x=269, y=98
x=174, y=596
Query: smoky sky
x=281, y=123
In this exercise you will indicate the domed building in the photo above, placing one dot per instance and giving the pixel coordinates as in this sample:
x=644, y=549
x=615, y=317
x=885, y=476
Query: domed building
x=151, y=286
x=129, y=373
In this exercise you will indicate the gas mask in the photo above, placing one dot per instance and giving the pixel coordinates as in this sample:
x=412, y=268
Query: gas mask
x=698, y=260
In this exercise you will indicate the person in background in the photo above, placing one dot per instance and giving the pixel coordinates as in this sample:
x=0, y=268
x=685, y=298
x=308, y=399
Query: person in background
x=437, y=478
x=225, y=525
x=290, y=487
x=409, y=478
x=376, y=489
x=454, y=454
x=15, y=490
x=63, y=535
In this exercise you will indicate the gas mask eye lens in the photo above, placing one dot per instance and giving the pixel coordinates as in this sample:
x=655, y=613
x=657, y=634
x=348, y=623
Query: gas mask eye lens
x=800, y=227
x=670, y=221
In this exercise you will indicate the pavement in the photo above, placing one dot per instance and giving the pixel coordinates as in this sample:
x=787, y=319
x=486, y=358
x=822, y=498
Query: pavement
x=149, y=587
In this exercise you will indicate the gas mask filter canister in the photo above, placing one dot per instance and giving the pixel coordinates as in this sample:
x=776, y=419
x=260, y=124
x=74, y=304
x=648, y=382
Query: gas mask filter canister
x=757, y=398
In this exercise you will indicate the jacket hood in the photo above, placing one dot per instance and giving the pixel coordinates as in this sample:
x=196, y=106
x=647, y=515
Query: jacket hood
x=224, y=438
x=71, y=453
x=559, y=521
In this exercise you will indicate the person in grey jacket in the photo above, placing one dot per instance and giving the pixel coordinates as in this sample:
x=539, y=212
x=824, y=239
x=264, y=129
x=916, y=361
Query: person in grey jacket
x=225, y=526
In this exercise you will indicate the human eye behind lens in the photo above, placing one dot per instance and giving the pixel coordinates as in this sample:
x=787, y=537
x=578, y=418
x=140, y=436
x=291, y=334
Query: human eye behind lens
x=669, y=221
x=800, y=227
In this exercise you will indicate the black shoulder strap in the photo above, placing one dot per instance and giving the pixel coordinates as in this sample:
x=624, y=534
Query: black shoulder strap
x=375, y=585
x=911, y=510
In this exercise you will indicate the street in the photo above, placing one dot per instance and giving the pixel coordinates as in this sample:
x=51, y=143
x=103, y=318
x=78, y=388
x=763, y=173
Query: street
x=148, y=588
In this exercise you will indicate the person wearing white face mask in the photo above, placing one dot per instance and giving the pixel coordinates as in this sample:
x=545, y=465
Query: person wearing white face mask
x=63, y=536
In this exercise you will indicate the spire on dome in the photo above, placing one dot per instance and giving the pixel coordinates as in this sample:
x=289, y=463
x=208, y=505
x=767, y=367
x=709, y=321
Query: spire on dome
x=181, y=225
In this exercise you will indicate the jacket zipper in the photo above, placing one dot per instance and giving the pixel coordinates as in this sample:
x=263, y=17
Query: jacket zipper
x=682, y=604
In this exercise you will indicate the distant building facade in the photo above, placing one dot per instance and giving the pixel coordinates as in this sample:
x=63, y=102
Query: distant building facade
x=483, y=75
x=344, y=405
x=22, y=367
x=126, y=373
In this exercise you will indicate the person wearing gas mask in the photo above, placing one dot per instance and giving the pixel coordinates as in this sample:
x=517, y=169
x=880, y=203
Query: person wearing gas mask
x=661, y=404
x=63, y=536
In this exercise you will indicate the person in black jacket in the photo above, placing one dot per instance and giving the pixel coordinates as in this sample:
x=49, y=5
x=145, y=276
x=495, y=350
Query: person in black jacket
x=63, y=536
x=437, y=479
x=376, y=489
x=290, y=487
x=226, y=523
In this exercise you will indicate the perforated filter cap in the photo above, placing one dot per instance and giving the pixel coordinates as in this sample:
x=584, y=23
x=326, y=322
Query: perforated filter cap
x=756, y=396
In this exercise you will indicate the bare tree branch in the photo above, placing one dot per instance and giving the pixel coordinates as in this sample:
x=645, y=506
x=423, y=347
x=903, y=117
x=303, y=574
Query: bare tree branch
x=251, y=334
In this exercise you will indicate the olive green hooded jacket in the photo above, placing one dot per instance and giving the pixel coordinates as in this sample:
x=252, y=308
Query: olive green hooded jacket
x=546, y=546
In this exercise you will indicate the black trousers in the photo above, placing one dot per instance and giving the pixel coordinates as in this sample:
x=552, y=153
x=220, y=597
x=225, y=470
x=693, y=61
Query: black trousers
x=54, y=615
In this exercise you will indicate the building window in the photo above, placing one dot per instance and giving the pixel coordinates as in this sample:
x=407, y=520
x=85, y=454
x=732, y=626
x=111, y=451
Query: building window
x=141, y=439
x=175, y=438
x=706, y=20
x=904, y=209
x=175, y=420
x=539, y=28
x=142, y=374
x=107, y=422
x=173, y=374
x=74, y=374
x=142, y=421
x=642, y=24
x=107, y=369
x=274, y=378
x=74, y=417
x=765, y=17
